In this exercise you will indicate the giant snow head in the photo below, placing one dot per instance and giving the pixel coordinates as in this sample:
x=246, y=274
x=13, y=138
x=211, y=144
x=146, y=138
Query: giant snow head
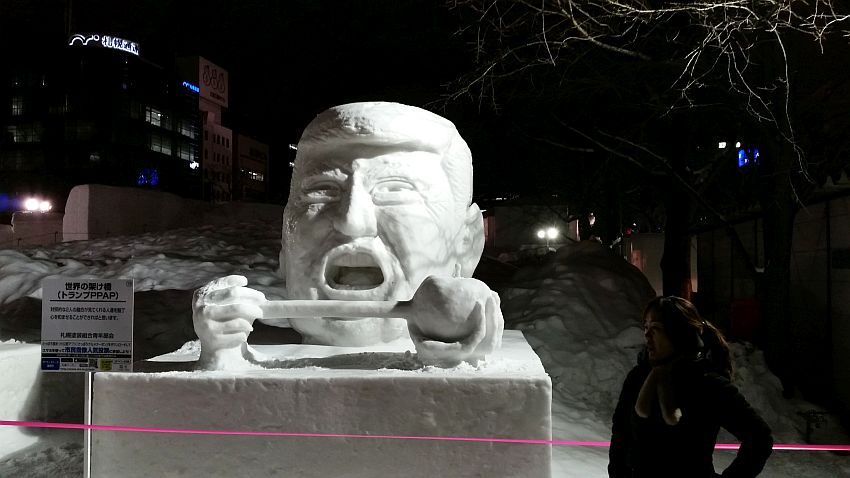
x=380, y=199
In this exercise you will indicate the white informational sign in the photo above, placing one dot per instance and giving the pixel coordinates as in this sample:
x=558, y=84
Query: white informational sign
x=87, y=325
x=212, y=81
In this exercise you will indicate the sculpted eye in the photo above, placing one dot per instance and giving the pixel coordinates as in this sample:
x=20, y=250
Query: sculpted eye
x=322, y=192
x=394, y=191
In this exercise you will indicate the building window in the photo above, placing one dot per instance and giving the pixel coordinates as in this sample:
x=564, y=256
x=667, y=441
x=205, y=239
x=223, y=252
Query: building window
x=253, y=176
x=186, y=151
x=153, y=116
x=165, y=121
x=228, y=142
x=206, y=135
x=25, y=133
x=17, y=105
x=63, y=105
x=79, y=130
x=160, y=143
x=187, y=129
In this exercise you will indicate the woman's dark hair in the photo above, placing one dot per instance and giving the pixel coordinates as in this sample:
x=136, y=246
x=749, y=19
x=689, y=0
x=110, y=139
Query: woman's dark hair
x=689, y=332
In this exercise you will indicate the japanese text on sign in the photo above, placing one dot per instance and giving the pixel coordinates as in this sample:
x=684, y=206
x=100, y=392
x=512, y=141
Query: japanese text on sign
x=87, y=325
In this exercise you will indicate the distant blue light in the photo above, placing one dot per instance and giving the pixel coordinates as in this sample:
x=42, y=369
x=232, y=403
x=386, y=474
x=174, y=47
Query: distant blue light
x=191, y=87
x=148, y=177
x=5, y=202
x=748, y=156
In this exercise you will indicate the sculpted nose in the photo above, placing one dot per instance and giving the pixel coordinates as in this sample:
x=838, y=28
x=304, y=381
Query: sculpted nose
x=356, y=217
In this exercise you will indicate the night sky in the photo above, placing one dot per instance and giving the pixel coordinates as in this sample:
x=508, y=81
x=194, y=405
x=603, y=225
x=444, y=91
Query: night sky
x=287, y=60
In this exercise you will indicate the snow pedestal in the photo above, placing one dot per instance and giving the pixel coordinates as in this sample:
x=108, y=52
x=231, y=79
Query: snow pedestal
x=28, y=394
x=19, y=367
x=330, y=390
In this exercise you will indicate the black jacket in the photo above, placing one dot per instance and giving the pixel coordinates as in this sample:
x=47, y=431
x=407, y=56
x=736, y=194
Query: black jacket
x=648, y=447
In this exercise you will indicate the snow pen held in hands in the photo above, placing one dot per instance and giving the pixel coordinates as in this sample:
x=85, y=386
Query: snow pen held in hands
x=80, y=426
x=441, y=306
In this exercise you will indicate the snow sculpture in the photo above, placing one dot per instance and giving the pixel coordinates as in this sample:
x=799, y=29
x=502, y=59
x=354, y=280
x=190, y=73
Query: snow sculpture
x=380, y=237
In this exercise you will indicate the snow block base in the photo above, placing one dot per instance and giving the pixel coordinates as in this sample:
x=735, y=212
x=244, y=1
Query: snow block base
x=330, y=390
x=28, y=394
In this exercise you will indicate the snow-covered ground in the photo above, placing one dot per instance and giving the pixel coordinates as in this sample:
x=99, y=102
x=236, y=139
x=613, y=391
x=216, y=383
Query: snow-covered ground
x=578, y=308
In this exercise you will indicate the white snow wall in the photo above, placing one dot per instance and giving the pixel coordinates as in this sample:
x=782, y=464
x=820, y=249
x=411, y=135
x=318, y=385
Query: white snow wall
x=95, y=211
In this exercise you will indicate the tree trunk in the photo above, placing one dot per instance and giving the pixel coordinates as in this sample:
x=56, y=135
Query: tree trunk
x=676, y=259
x=780, y=207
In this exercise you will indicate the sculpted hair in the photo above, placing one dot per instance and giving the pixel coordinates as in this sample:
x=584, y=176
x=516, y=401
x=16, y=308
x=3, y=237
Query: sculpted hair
x=689, y=332
x=385, y=125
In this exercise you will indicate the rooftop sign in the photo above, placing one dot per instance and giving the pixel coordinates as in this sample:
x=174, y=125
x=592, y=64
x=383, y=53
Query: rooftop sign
x=104, y=41
x=192, y=87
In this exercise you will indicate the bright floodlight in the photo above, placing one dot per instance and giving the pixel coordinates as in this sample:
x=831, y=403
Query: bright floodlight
x=541, y=234
x=721, y=145
x=44, y=206
x=738, y=144
x=31, y=204
x=551, y=233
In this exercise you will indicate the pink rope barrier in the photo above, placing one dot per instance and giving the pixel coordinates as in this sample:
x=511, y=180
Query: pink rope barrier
x=80, y=426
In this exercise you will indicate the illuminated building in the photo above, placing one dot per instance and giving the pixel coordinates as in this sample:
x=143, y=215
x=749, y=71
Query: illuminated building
x=251, y=169
x=95, y=110
x=210, y=82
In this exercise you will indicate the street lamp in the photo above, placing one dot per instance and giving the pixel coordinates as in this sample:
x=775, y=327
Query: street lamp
x=549, y=234
x=34, y=204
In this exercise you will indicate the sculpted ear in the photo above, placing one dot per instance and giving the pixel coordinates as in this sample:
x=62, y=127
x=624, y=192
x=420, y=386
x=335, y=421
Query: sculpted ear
x=471, y=243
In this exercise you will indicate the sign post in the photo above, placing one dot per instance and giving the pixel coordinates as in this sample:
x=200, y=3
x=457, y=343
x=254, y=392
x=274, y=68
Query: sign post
x=87, y=326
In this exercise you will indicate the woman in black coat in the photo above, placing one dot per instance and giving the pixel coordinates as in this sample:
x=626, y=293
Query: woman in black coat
x=675, y=400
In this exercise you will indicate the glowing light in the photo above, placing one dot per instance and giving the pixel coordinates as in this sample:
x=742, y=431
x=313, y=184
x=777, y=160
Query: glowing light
x=31, y=204
x=748, y=156
x=194, y=165
x=552, y=233
x=36, y=204
x=104, y=41
x=721, y=145
x=541, y=234
x=148, y=177
x=738, y=144
x=192, y=87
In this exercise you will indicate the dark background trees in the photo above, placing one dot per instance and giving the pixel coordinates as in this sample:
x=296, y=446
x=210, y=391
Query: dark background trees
x=634, y=97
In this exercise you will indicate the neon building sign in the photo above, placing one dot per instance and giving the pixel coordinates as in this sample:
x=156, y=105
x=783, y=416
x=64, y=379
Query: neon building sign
x=104, y=41
x=192, y=87
x=748, y=156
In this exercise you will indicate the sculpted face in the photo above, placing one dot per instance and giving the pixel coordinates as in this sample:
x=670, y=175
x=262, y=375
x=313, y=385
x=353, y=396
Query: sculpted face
x=371, y=214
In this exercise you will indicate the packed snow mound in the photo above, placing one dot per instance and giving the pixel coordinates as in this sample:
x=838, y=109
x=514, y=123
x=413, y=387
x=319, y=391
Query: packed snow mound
x=177, y=259
x=580, y=309
x=592, y=291
x=166, y=268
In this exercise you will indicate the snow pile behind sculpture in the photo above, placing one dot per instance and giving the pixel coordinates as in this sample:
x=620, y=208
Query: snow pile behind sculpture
x=580, y=310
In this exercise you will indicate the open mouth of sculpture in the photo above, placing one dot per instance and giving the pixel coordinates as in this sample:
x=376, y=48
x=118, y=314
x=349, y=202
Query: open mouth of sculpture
x=356, y=271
